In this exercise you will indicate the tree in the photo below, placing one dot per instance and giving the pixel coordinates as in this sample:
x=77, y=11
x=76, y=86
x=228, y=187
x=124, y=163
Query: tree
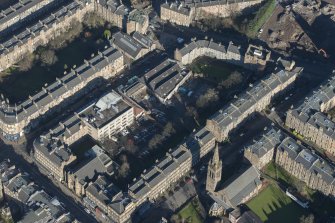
x=233, y=79
x=107, y=34
x=27, y=62
x=155, y=141
x=48, y=57
x=307, y=219
x=124, y=168
x=92, y=20
x=168, y=130
x=175, y=218
x=210, y=96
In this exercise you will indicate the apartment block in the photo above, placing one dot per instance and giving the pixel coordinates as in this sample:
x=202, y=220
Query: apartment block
x=305, y=165
x=17, y=120
x=310, y=119
x=261, y=151
x=254, y=99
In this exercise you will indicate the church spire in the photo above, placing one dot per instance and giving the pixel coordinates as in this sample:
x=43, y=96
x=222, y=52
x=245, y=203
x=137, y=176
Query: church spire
x=214, y=171
x=216, y=157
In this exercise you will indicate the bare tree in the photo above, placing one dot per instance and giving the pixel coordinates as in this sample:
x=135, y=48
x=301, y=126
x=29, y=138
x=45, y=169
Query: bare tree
x=92, y=20
x=233, y=79
x=209, y=97
x=155, y=141
x=124, y=168
x=48, y=57
x=307, y=219
x=168, y=130
x=27, y=62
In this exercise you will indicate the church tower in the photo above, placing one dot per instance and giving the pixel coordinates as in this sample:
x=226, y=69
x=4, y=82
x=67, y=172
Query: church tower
x=214, y=171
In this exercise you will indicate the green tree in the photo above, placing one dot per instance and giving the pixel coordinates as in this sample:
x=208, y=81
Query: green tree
x=107, y=34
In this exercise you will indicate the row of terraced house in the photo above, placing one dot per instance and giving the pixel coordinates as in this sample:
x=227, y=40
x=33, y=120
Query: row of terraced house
x=185, y=12
x=310, y=119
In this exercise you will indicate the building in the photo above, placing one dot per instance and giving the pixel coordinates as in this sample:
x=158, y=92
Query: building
x=35, y=204
x=237, y=190
x=112, y=11
x=107, y=116
x=165, y=79
x=254, y=99
x=256, y=57
x=137, y=21
x=81, y=174
x=52, y=149
x=199, y=143
x=184, y=12
x=177, y=14
x=214, y=172
x=17, y=120
x=40, y=33
x=243, y=215
x=11, y=17
x=305, y=165
x=310, y=120
x=131, y=47
x=261, y=151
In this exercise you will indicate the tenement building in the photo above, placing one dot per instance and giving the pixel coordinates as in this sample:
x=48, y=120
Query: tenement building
x=11, y=17
x=133, y=47
x=105, y=117
x=40, y=33
x=16, y=120
x=254, y=99
x=198, y=48
x=261, y=151
x=184, y=12
x=35, y=205
x=310, y=120
x=305, y=165
x=165, y=79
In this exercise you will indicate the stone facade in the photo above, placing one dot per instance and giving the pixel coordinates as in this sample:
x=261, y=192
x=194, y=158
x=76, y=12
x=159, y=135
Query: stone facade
x=177, y=14
x=185, y=12
x=310, y=121
x=305, y=165
x=15, y=121
x=39, y=34
x=214, y=172
x=261, y=151
x=254, y=99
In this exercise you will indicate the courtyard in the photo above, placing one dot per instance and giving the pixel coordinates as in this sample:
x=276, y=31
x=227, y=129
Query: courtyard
x=17, y=84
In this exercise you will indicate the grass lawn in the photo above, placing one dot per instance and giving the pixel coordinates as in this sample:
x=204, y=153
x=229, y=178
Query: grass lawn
x=262, y=15
x=272, y=205
x=217, y=70
x=18, y=85
x=190, y=214
x=320, y=204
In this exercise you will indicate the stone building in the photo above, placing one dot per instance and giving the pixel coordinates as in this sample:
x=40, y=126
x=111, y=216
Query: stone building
x=133, y=47
x=214, y=172
x=305, y=165
x=112, y=11
x=198, y=48
x=165, y=79
x=40, y=33
x=15, y=121
x=177, y=13
x=254, y=99
x=52, y=149
x=11, y=17
x=261, y=151
x=256, y=57
x=137, y=21
x=310, y=120
x=236, y=190
x=97, y=162
x=184, y=12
